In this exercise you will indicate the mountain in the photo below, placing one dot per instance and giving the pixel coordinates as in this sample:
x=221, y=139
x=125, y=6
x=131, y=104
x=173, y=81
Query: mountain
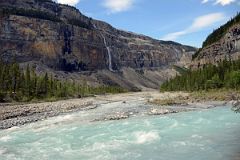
x=60, y=40
x=222, y=44
x=216, y=65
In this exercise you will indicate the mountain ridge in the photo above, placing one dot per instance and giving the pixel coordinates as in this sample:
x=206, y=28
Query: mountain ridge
x=222, y=44
x=59, y=38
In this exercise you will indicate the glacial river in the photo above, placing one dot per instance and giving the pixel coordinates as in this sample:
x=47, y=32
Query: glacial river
x=212, y=134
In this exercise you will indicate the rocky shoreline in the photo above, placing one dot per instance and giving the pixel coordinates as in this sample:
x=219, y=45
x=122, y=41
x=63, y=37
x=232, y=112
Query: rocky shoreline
x=16, y=115
x=126, y=105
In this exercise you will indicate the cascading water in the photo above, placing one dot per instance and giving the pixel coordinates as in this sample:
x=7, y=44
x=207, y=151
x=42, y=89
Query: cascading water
x=209, y=134
x=108, y=50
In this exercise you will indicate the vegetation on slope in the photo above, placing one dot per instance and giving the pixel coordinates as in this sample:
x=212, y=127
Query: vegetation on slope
x=217, y=34
x=29, y=13
x=19, y=85
x=43, y=15
x=225, y=75
x=181, y=70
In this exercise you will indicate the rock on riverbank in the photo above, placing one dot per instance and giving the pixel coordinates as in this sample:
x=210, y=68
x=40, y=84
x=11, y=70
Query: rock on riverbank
x=100, y=108
x=15, y=115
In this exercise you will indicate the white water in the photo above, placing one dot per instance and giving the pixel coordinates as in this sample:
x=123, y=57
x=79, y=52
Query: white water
x=201, y=135
x=108, y=50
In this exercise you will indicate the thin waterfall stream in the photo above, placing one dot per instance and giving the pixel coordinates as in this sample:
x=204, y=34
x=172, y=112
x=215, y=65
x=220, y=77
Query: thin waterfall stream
x=108, y=50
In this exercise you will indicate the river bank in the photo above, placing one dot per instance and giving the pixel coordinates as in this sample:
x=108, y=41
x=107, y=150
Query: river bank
x=126, y=105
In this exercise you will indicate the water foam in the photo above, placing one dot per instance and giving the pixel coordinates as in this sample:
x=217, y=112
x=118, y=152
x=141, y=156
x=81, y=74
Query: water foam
x=148, y=124
x=196, y=136
x=40, y=129
x=101, y=150
x=146, y=137
x=202, y=121
x=13, y=128
x=5, y=138
x=3, y=151
x=66, y=118
x=174, y=125
x=60, y=119
x=179, y=143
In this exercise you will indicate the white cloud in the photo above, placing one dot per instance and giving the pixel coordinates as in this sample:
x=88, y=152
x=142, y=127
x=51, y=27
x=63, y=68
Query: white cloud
x=206, y=21
x=221, y=2
x=205, y=1
x=115, y=6
x=198, y=24
x=174, y=36
x=224, y=2
x=69, y=2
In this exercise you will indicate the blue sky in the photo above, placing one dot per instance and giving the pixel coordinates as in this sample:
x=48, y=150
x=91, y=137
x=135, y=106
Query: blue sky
x=185, y=21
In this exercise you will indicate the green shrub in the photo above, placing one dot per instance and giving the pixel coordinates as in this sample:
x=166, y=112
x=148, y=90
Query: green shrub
x=79, y=23
x=29, y=13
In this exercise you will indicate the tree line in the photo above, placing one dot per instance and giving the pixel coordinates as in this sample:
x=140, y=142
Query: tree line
x=29, y=13
x=17, y=84
x=225, y=74
x=217, y=34
x=33, y=13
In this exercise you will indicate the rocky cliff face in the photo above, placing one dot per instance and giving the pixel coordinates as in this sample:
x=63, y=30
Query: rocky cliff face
x=71, y=46
x=62, y=39
x=228, y=47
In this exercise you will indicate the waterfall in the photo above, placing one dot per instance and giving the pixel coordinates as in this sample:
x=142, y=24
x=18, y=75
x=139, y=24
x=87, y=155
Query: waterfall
x=108, y=50
x=109, y=53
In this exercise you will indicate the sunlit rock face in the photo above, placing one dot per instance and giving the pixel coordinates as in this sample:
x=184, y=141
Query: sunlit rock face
x=62, y=38
x=227, y=48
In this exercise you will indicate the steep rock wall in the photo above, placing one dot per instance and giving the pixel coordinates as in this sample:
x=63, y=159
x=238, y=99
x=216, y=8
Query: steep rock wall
x=67, y=40
x=228, y=47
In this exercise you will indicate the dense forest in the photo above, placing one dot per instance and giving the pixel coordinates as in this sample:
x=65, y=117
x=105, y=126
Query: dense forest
x=224, y=75
x=17, y=84
x=217, y=34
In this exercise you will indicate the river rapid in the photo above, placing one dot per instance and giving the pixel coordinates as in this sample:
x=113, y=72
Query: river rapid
x=211, y=134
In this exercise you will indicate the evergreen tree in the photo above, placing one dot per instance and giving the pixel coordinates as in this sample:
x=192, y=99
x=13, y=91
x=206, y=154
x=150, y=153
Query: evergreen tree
x=28, y=82
x=45, y=84
x=225, y=74
x=25, y=85
x=15, y=74
x=34, y=81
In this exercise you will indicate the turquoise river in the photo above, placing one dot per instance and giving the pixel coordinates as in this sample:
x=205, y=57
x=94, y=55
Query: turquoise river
x=212, y=134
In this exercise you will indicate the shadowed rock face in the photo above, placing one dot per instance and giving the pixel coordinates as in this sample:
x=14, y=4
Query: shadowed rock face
x=227, y=48
x=61, y=38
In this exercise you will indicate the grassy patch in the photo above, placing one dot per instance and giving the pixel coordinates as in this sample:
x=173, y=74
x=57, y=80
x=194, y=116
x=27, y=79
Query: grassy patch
x=179, y=100
x=215, y=95
x=164, y=102
x=197, y=97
